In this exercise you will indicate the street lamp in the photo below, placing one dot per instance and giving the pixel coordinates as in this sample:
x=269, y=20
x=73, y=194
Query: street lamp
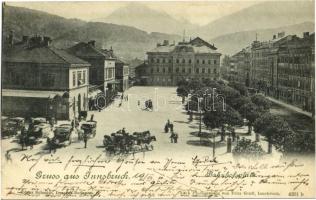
x=200, y=99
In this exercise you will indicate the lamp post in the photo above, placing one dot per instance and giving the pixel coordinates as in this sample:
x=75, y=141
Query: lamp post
x=200, y=111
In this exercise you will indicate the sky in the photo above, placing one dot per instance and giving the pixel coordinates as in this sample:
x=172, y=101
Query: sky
x=199, y=12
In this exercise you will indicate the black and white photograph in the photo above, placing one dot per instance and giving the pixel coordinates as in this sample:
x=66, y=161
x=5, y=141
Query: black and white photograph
x=158, y=99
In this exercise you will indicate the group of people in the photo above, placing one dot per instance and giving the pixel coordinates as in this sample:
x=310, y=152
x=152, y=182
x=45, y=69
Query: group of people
x=174, y=136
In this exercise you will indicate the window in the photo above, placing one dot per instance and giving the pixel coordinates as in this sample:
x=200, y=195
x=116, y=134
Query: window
x=197, y=61
x=48, y=80
x=214, y=71
x=203, y=62
x=177, y=69
x=158, y=60
x=209, y=71
x=203, y=70
x=214, y=62
x=183, y=70
x=84, y=77
x=163, y=60
x=164, y=70
x=209, y=62
x=157, y=69
x=190, y=61
x=197, y=70
x=79, y=73
x=177, y=61
x=152, y=60
x=74, y=79
x=190, y=70
x=152, y=70
x=169, y=69
x=183, y=61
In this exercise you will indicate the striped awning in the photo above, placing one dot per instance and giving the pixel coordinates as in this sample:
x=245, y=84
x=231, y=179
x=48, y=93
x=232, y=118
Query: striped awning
x=31, y=93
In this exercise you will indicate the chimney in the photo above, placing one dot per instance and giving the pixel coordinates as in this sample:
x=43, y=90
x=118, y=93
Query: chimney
x=11, y=35
x=35, y=41
x=274, y=37
x=281, y=34
x=305, y=34
x=111, y=52
x=47, y=41
x=92, y=43
x=25, y=39
x=165, y=42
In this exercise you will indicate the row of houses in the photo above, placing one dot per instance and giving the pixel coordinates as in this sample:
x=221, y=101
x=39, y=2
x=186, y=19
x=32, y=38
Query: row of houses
x=282, y=67
x=169, y=63
x=39, y=80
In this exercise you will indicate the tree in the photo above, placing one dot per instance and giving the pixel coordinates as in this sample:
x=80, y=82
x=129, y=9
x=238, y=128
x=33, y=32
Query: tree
x=242, y=89
x=240, y=101
x=218, y=117
x=262, y=85
x=261, y=101
x=251, y=112
x=272, y=127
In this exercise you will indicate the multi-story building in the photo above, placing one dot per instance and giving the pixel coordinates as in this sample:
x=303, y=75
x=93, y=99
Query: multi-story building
x=122, y=74
x=169, y=63
x=141, y=74
x=283, y=68
x=39, y=80
x=293, y=67
x=102, y=70
x=240, y=67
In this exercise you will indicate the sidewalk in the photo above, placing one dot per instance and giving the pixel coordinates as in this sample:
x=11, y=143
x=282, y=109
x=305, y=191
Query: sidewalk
x=286, y=105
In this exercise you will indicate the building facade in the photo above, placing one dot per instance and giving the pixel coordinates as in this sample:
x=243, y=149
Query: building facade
x=283, y=68
x=122, y=75
x=39, y=80
x=170, y=63
x=102, y=70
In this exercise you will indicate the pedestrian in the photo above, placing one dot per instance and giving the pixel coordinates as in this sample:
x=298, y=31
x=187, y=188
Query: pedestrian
x=49, y=142
x=171, y=127
x=175, y=138
x=8, y=156
x=138, y=102
x=126, y=97
x=123, y=131
x=172, y=137
x=85, y=139
x=91, y=118
x=166, y=128
x=168, y=122
x=233, y=134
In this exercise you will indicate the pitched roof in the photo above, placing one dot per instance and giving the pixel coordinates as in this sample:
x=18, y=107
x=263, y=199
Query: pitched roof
x=83, y=49
x=41, y=54
x=196, y=45
x=87, y=50
x=199, y=42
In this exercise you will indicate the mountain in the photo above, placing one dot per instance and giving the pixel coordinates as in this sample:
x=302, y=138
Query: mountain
x=264, y=15
x=25, y=21
x=142, y=17
x=127, y=42
x=234, y=42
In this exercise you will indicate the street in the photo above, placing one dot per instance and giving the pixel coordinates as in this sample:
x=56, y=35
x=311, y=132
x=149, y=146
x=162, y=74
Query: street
x=134, y=118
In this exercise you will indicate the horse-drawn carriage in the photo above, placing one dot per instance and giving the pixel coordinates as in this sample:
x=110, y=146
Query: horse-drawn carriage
x=149, y=104
x=12, y=126
x=125, y=143
x=62, y=134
